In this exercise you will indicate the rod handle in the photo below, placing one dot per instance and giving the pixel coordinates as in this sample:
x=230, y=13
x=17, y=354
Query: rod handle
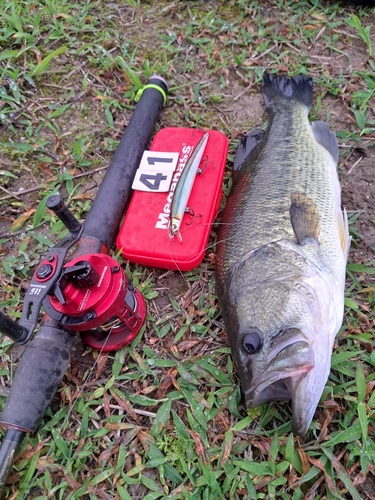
x=37, y=378
x=8, y=450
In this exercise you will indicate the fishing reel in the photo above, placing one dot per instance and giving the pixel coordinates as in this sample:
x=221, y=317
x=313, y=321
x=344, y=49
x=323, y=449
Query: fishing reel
x=94, y=296
x=90, y=294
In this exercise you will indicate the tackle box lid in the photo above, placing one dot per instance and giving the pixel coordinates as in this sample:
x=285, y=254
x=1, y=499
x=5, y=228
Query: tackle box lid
x=144, y=236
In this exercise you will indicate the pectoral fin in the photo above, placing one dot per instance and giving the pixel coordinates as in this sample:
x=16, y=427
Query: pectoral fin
x=304, y=218
x=326, y=138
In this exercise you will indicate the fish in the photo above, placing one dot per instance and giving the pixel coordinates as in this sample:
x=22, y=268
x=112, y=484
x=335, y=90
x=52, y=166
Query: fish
x=282, y=249
x=185, y=185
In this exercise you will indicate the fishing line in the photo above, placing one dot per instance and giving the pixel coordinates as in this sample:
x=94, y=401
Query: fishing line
x=67, y=417
x=212, y=245
x=196, y=129
x=172, y=243
x=207, y=247
x=188, y=228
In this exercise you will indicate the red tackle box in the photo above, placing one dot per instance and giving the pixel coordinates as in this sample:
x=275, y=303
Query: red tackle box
x=144, y=236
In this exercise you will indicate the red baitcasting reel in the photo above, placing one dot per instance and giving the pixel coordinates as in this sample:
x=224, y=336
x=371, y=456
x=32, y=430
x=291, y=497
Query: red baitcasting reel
x=94, y=296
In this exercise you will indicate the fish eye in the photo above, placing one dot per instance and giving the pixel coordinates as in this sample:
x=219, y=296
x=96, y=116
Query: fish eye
x=252, y=341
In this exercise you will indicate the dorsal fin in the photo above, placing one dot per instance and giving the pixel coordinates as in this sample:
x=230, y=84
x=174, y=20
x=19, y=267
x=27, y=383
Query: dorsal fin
x=326, y=138
x=245, y=148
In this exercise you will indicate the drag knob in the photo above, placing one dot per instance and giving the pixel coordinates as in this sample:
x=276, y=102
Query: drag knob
x=82, y=274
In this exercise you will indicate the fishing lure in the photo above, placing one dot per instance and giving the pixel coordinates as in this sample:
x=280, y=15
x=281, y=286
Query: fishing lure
x=184, y=187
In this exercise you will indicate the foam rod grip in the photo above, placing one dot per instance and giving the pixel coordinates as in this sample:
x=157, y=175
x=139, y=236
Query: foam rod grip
x=37, y=378
x=107, y=210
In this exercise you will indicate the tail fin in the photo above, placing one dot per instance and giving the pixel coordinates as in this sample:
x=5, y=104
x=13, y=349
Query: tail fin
x=297, y=88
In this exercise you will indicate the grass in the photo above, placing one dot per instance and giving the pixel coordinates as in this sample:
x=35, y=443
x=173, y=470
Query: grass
x=163, y=418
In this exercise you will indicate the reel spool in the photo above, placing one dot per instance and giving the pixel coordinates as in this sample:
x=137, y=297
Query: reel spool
x=95, y=297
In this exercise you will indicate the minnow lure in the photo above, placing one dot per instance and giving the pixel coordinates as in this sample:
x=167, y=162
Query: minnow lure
x=184, y=187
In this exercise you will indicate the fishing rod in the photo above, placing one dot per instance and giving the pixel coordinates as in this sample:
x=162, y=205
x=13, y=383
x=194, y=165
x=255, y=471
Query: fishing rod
x=87, y=292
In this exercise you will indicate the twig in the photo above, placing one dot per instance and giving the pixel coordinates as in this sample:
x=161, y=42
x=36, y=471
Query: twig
x=243, y=92
x=19, y=193
x=346, y=33
x=292, y=47
x=30, y=190
x=9, y=234
x=84, y=174
x=266, y=52
x=145, y=413
x=319, y=35
x=327, y=58
x=9, y=193
x=355, y=164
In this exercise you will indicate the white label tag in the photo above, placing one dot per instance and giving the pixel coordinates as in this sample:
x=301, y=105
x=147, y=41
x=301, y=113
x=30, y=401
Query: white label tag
x=159, y=161
x=152, y=181
x=155, y=171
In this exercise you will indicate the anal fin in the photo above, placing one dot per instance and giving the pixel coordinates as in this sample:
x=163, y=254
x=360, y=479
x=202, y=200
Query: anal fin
x=304, y=217
x=345, y=238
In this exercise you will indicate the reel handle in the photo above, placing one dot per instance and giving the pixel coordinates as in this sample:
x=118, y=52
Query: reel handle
x=57, y=205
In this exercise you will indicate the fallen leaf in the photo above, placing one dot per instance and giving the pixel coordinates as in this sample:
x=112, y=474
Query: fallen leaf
x=20, y=221
x=106, y=455
x=199, y=446
x=319, y=464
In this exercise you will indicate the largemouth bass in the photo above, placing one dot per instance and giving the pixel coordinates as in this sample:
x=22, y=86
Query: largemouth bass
x=282, y=252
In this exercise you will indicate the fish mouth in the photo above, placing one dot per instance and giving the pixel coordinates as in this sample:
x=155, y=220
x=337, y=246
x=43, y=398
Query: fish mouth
x=289, y=359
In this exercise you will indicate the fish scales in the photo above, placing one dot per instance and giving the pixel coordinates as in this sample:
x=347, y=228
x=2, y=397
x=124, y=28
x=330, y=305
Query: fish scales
x=281, y=167
x=283, y=244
